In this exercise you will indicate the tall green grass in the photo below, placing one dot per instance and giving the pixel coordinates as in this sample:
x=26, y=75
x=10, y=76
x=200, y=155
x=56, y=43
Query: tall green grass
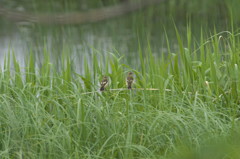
x=47, y=112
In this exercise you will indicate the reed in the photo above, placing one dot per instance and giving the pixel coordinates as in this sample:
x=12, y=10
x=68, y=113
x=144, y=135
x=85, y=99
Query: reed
x=181, y=98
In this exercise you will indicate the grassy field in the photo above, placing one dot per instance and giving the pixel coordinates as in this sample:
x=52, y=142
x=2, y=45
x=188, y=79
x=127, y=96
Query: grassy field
x=192, y=112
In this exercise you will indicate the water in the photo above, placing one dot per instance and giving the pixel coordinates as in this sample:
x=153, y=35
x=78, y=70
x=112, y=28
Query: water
x=117, y=36
x=12, y=42
x=77, y=41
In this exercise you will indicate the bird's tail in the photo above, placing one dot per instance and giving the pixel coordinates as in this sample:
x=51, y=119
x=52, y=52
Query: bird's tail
x=129, y=86
x=102, y=89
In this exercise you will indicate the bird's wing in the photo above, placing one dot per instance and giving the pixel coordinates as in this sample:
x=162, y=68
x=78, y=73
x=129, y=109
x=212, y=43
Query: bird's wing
x=129, y=79
x=104, y=82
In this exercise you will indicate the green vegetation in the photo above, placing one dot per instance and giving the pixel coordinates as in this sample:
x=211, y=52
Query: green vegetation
x=185, y=101
x=52, y=112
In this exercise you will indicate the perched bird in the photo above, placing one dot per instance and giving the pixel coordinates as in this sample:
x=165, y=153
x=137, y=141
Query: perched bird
x=104, y=83
x=130, y=80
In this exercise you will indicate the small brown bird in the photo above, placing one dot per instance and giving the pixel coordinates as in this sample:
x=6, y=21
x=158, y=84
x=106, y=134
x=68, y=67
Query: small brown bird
x=130, y=80
x=104, y=83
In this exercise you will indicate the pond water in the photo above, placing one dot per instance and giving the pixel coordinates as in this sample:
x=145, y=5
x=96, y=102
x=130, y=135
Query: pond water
x=83, y=40
x=78, y=41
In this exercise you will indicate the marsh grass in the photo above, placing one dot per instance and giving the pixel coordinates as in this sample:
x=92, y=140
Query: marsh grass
x=47, y=112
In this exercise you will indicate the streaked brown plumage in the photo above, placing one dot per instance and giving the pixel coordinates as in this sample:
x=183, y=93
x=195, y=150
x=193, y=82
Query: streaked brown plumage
x=130, y=80
x=104, y=83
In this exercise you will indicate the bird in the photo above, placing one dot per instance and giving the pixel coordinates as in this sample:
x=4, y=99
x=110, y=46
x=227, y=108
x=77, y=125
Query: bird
x=130, y=80
x=104, y=83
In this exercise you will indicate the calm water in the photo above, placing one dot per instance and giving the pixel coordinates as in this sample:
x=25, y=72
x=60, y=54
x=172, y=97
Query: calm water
x=76, y=41
x=82, y=40
x=79, y=41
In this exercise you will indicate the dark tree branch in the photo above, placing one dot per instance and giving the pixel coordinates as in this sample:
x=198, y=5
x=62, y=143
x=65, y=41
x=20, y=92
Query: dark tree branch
x=76, y=17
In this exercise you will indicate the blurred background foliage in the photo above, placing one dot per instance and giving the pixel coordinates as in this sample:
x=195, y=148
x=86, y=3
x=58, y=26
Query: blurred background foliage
x=205, y=9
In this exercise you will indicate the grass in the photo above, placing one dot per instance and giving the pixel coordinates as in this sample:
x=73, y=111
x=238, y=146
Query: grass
x=46, y=113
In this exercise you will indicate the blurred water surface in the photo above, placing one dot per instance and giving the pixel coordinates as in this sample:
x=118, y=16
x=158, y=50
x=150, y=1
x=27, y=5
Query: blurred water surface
x=121, y=35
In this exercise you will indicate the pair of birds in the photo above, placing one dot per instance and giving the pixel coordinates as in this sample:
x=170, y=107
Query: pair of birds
x=129, y=81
